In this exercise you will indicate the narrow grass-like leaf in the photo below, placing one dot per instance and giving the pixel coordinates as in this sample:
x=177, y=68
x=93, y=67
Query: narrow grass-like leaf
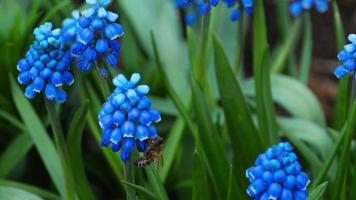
x=39, y=136
x=172, y=93
x=246, y=141
x=200, y=180
x=17, y=194
x=212, y=146
x=317, y=192
x=307, y=131
x=141, y=190
x=32, y=189
x=54, y=10
x=342, y=99
x=305, y=151
x=170, y=148
x=74, y=143
x=328, y=162
x=156, y=183
x=293, y=96
x=12, y=119
x=307, y=50
x=345, y=153
x=14, y=153
x=287, y=47
x=265, y=108
x=231, y=177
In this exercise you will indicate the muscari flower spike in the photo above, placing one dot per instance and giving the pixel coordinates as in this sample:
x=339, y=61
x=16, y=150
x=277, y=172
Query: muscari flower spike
x=297, y=6
x=348, y=58
x=201, y=7
x=277, y=175
x=46, y=65
x=127, y=117
x=97, y=35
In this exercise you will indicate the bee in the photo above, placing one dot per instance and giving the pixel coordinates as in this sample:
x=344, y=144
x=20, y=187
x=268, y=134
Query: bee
x=153, y=152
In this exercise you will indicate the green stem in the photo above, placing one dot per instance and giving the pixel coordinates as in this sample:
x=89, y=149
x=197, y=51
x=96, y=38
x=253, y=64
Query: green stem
x=61, y=148
x=130, y=178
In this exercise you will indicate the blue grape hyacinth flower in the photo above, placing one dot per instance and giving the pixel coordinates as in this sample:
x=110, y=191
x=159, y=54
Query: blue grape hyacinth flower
x=297, y=6
x=277, y=175
x=97, y=35
x=127, y=118
x=46, y=65
x=197, y=8
x=348, y=58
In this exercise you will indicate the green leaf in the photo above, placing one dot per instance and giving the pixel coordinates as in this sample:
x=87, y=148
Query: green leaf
x=287, y=47
x=212, y=146
x=55, y=10
x=307, y=131
x=246, y=141
x=141, y=190
x=200, y=180
x=32, y=189
x=12, y=119
x=307, y=50
x=293, y=96
x=328, y=162
x=156, y=183
x=342, y=169
x=170, y=148
x=74, y=143
x=179, y=103
x=317, y=193
x=16, y=194
x=14, y=153
x=265, y=108
x=40, y=137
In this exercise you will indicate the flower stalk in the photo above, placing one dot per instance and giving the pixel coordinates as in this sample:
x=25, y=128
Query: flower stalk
x=61, y=148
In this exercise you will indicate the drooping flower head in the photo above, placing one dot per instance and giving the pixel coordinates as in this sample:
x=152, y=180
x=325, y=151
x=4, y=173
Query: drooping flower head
x=297, y=6
x=277, y=174
x=97, y=35
x=348, y=58
x=46, y=65
x=127, y=118
x=200, y=7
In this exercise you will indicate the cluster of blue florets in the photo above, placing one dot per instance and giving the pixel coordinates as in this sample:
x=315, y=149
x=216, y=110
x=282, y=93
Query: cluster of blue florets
x=96, y=33
x=200, y=7
x=348, y=58
x=127, y=117
x=297, y=6
x=46, y=65
x=278, y=175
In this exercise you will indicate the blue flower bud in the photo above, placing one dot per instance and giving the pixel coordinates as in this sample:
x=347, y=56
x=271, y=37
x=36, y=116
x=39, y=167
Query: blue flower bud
x=141, y=145
x=116, y=136
x=50, y=91
x=128, y=129
x=274, y=191
x=118, y=117
x=105, y=140
x=60, y=96
x=286, y=194
x=23, y=65
x=98, y=23
x=24, y=78
x=141, y=133
x=102, y=46
x=29, y=92
x=38, y=84
x=86, y=36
